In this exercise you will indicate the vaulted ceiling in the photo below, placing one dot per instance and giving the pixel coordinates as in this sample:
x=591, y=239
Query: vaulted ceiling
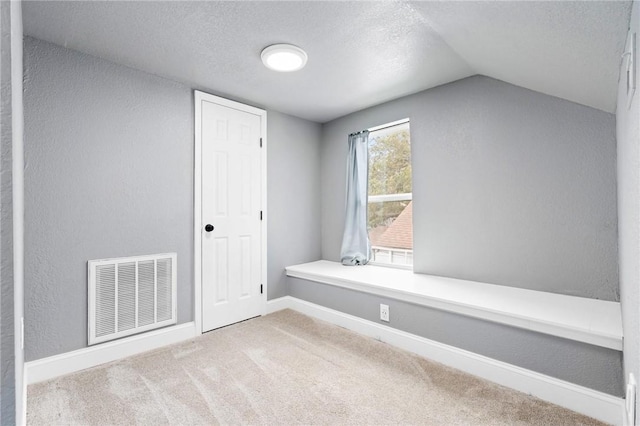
x=360, y=53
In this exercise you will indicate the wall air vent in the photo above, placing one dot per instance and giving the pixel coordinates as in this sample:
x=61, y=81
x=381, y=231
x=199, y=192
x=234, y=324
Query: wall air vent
x=130, y=295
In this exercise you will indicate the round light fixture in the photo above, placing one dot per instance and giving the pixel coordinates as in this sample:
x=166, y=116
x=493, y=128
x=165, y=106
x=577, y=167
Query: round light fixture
x=283, y=57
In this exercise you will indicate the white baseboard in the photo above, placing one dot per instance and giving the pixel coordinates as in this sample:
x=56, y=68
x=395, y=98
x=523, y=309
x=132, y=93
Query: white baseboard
x=70, y=362
x=281, y=303
x=599, y=405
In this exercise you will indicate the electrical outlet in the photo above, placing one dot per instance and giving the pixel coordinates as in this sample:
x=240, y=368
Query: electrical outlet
x=384, y=312
x=630, y=400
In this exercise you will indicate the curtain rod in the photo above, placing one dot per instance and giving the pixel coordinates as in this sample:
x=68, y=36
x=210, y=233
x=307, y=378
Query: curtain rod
x=381, y=127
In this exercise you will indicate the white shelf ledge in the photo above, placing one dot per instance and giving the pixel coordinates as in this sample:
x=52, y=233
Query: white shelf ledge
x=592, y=321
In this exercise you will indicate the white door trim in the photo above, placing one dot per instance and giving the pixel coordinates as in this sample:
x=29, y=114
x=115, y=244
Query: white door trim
x=197, y=197
x=17, y=173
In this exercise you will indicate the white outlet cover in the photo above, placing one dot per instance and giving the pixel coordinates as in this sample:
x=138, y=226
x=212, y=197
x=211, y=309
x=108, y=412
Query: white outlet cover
x=630, y=400
x=384, y=312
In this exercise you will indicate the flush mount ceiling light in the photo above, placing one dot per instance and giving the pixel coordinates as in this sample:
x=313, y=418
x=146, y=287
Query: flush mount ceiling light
x=283, y=57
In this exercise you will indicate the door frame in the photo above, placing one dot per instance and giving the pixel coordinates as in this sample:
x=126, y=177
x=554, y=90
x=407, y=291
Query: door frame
x=197, y=198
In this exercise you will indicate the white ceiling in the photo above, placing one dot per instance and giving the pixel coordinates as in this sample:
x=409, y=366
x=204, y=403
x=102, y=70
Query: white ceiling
x=360, y=53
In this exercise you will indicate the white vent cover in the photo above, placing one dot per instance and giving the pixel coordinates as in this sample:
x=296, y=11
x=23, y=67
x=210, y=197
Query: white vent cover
x=129, y=295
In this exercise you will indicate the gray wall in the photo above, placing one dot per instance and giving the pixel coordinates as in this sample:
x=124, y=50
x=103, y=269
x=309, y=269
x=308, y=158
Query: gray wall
x=109, y=173
x=628, y=132
x=587, y=365
x=511, y=186
x=7, y=348
x=109, y=154
x=293, y=203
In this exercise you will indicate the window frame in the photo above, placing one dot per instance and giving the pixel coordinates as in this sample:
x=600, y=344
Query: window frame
x=407, y=196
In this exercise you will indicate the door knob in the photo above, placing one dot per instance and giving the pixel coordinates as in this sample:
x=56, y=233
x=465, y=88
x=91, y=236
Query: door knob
x=208, y=228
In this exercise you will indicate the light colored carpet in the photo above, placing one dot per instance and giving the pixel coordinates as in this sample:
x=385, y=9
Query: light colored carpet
x=283, y=368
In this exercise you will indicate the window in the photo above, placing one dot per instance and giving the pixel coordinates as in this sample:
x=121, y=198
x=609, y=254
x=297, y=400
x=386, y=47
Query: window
x=390, y=193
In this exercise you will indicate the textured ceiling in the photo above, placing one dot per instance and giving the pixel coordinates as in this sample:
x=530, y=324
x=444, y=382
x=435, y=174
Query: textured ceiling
x=360, y=53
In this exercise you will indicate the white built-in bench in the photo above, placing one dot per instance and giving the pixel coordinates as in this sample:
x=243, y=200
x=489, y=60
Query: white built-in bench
x=592, y=321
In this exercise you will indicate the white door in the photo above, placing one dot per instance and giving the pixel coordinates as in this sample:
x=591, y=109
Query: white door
x=231, y=212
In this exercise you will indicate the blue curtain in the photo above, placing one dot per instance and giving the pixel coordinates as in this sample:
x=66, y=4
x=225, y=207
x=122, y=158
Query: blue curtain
x=356, y=247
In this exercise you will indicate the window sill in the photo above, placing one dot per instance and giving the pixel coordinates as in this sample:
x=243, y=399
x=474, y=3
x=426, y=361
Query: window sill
x=391, y=265
x=592, y=321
